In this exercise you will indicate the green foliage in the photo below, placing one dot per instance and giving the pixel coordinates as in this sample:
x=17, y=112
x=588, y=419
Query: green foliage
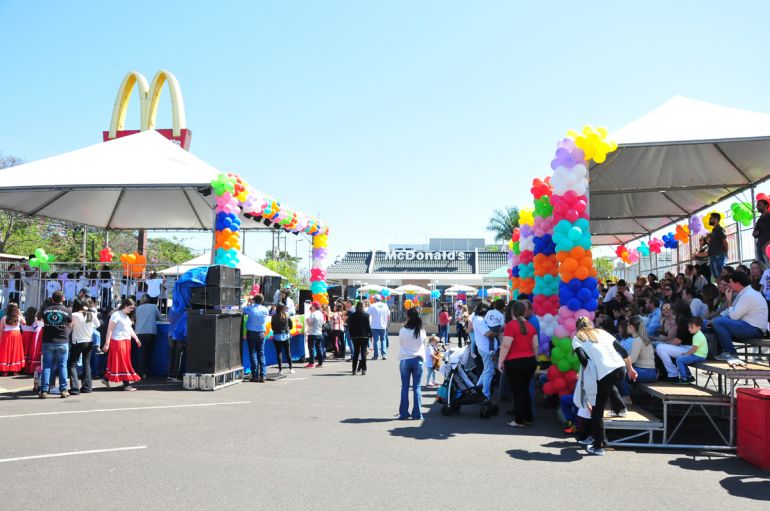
x=603, y=267
x=503, y=222
x=166, y=250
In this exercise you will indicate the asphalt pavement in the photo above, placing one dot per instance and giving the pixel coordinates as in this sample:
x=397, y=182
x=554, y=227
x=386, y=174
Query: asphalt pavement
x=323, y=439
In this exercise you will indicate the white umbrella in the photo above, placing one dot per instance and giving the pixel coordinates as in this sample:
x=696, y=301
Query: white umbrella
x=497, y=291
x=461, y=290
x=370, y=288
x=411, y=289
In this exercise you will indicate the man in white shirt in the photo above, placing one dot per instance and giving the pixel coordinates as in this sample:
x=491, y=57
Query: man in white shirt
x=379, y=317
x=620, y=288
x=697, y=307
x=746, y=317
x=314, y=331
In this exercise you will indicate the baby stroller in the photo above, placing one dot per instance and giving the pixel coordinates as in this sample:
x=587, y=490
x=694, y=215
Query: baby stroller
x=462, y=373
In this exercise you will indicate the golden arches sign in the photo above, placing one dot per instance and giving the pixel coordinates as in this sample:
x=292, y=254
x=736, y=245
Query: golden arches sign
x=149, y=96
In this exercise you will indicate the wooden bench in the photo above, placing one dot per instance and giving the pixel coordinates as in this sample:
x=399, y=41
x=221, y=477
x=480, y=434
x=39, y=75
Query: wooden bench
x=690, y=396
x=752, y=343
x=639, y=420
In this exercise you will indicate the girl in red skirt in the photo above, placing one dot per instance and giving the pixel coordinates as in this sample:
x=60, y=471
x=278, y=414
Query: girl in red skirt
x=11, y=343
x=28, y=340
x=118, y=347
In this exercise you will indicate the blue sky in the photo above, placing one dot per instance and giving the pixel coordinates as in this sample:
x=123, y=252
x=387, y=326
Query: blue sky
x=393, y=121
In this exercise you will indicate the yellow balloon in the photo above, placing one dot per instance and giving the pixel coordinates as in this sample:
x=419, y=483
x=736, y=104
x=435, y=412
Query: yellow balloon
x=526, y=217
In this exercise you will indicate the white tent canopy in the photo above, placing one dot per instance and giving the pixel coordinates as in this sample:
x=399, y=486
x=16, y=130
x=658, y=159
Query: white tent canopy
x=141, y=181
x=675, y=161
x=248, y=267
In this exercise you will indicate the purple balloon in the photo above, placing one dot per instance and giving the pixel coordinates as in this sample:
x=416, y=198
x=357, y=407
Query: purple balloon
x=525, y=231
x=568, y=155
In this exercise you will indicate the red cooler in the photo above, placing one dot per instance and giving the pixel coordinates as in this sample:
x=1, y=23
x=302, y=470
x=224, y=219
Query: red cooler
x=754, y=426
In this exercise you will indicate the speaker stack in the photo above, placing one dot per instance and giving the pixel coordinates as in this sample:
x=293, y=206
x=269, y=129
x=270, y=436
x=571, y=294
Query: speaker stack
x=215, y=323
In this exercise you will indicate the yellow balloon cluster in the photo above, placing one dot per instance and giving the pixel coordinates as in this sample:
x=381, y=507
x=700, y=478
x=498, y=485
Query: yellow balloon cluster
x=705, y=220
x=526, y=217
x=593, y=142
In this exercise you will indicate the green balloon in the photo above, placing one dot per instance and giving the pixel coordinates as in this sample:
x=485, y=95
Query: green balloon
x=563, y=366
x=34, y=262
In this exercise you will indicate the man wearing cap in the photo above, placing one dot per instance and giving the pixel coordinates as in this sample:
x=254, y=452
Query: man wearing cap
x=717, y=247
x=314, y=323
x=762, y=228
x=379, y=316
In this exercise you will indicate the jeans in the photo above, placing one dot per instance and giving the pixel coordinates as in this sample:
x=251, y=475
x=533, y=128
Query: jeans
x=430, y=375
x=348, y=341
x=568, y=408
x=256, y=343
x=378, y=335
x=728, y=330
x=77, y=349
x=488, y=374
x=96, y=339
x=519, y=373
x=143, y=356
x=716, y=263
x=687, y=360
x=411, y=368
x=282, y=347
x=606, y=387
x=54, y=358
x=645, y=375
x=315, y=347
x=360, y=344
x=443, y=334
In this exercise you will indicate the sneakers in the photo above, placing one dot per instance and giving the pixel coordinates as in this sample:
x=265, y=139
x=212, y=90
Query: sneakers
x=621, y=413
x=261, y=379
x=105, y=382
x=515, y=424
x=254, y=379
x=129, y=388
x=726, y=356
x=64, y=394
x=587, y=441
x=363, y=373
x=292, y=371
x=596, y=451
x=280, y=372
x=310, y=365
x=384, y=357
x=680, y=381
x=43, y=395
x=570, y=429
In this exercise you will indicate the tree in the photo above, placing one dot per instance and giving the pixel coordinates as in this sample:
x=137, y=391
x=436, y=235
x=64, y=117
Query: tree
x=503, y=222
x=165, y=250
x=288, y=267
x=603, y=267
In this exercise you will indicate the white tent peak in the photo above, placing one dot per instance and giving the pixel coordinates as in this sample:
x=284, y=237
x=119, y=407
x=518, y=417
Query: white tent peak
x=249, y=267
x=683, y=119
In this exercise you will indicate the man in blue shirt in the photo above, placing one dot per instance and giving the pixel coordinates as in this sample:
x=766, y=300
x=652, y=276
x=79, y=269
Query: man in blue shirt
x=256, y=316
x=652, y=310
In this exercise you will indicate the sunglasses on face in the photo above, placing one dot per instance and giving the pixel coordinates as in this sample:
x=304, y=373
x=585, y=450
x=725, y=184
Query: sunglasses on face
x=666, y=309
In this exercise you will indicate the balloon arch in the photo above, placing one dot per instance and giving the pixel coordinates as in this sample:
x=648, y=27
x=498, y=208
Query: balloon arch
x=234, y=196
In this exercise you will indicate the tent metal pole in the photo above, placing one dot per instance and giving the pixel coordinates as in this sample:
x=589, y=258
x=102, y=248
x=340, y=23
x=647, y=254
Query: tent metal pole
x=753, y=208
x=740, y=244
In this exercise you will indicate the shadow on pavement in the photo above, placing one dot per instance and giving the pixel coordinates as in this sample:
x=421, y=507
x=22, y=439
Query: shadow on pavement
x=367, y=420
x=568, y=452
x=745, y=480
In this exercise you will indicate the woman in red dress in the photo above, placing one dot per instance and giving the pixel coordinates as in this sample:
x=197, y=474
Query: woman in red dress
x=28, y=338
x=11, y=343
x=118, y=347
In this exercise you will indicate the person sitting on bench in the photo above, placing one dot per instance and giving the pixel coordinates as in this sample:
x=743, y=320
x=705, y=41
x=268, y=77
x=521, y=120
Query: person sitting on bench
x=746, y=317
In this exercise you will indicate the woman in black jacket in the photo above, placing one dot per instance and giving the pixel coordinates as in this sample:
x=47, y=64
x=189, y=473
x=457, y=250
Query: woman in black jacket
x=360, y=332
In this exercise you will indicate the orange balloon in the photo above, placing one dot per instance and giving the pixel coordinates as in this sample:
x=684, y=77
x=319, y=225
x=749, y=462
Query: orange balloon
x=582, y=273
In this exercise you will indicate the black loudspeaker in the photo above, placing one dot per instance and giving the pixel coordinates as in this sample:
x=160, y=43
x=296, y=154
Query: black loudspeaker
x=214, y=297
x=269, y=286
x=304, y=296
x=213, y=342
x=223, y=276
x=335, y=293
